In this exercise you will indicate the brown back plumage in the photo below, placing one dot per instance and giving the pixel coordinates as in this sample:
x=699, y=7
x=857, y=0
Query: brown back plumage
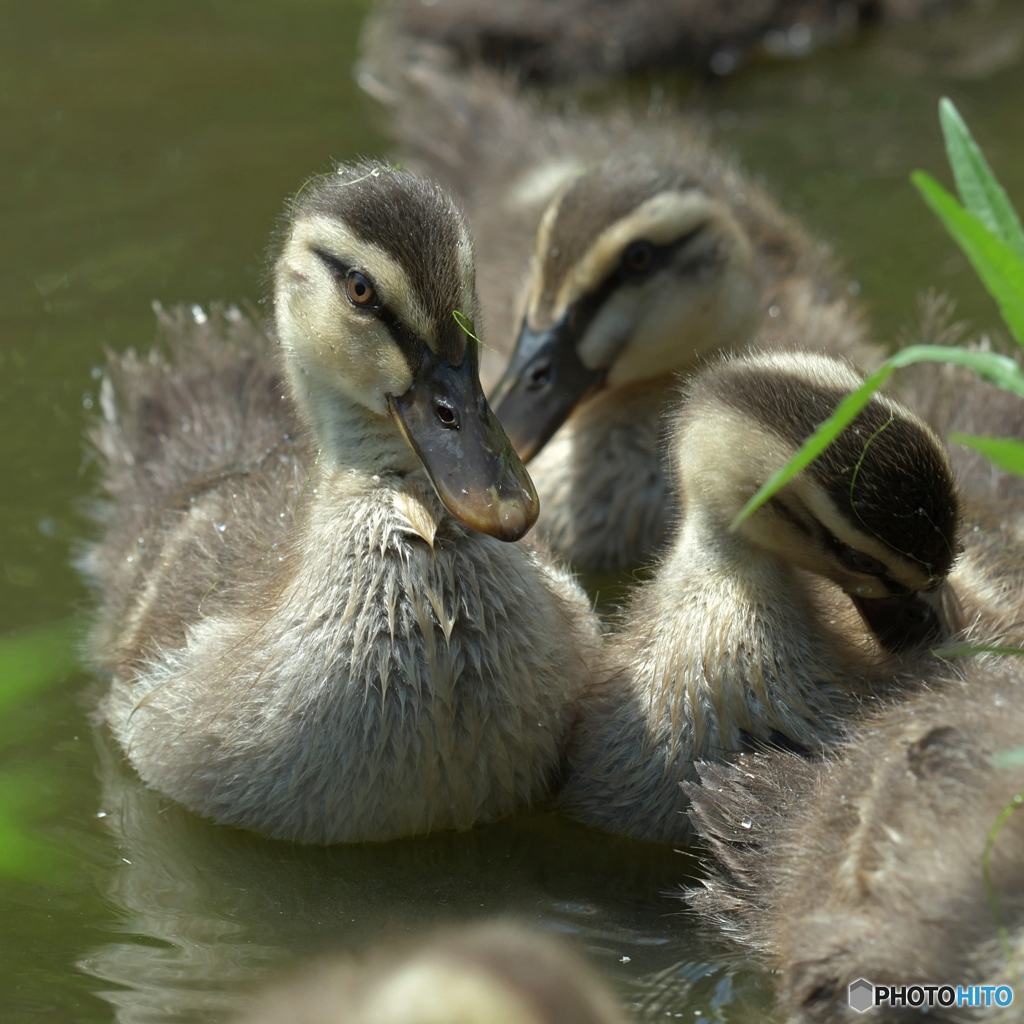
x=870, y=864
x=206, y=406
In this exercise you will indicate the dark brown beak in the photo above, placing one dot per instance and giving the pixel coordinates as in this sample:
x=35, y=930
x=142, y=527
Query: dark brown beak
x=904, y=622
x=471, y=463
x=543, y=383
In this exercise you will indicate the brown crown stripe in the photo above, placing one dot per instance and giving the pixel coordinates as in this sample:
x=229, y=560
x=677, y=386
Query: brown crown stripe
x=904, y=493
x=595, y=201
x=411, y=219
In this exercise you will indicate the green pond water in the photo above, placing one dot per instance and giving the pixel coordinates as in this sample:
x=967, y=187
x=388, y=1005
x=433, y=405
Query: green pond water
x=145, y=153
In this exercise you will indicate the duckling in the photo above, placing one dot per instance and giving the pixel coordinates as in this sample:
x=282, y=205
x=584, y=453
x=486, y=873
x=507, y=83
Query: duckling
x=493, y=973
x=758, y=633
x=536, y=42
x=872, y=864
x=311, y=625
x=639, y=248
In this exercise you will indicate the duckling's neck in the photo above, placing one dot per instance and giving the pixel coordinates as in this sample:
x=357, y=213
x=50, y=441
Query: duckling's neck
x=605, y=492
x=758, y=657
x=352, y=437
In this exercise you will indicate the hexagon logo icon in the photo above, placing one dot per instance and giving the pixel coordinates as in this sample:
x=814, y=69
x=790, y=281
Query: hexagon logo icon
x=862, y=995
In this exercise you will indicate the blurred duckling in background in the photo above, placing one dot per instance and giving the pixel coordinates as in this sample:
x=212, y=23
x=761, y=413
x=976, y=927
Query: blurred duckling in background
x=873, y=863
x=776, y=631
x=311, y=625
x=613, y=252
x=496, y=973
x=536, y=42
x=952, y=398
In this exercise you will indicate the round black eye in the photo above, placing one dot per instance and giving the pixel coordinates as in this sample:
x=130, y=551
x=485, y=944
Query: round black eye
x=446, y=415
x=638, y=256
x=360, y=290
x=860, y=562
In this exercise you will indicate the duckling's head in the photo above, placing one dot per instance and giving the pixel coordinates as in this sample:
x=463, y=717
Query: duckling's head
x=877, y=513
x=637, y=268
x=374, y=305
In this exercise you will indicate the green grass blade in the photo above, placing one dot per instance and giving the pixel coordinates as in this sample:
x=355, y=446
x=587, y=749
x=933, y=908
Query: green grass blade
x=986, y=862
x=1006, y=452
x=1013, y=758
x=976, y=183
x=999, y=267
x=35, y=660
x=997, y=369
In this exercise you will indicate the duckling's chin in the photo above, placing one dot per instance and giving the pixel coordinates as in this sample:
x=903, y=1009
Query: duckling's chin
x=904, y=622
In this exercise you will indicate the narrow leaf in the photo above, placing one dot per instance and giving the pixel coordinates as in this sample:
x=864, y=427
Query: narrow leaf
x=996, y=369
x=1013, y=758
x=999, y=267
x=981, y=193
x=986, y=859
x=1006, y=452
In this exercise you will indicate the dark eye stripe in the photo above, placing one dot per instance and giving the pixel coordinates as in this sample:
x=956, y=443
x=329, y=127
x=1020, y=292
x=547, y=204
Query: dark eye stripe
x=339, y=269
x=791, y=517
x=847, y=556
x=408, y=343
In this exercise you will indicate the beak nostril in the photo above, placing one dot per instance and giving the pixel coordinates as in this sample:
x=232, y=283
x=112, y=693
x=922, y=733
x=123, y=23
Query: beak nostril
x=540, y=375
x=446, y=415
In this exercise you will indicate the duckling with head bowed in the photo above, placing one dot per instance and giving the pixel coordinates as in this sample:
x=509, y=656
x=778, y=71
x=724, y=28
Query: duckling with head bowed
x=614, y=251
x=899, y=860
x=777, y=630
x=310, y=622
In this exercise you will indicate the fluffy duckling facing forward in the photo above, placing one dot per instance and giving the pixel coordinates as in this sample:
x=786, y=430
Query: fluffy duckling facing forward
x=753, y=634
x=485, y=974
x=613, y=252
x=309, y=618
x=873, y=864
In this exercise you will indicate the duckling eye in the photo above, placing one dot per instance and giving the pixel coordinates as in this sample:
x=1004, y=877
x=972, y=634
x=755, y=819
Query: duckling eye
x=857, y=561
x=638, y=256
x=360, y=290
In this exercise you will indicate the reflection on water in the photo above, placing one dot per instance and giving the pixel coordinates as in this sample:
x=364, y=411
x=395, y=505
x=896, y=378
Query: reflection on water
x=145, y=154
x=205, y=911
